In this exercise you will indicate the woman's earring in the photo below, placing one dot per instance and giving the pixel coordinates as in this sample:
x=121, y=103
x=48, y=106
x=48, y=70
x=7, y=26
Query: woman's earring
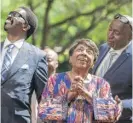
x=92, y=66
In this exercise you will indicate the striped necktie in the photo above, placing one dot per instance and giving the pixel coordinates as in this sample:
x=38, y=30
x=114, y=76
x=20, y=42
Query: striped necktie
x=110, y=61
x=7, y=61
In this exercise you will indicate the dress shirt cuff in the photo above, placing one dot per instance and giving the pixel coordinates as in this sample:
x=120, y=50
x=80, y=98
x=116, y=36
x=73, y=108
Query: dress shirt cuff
x=127, y=104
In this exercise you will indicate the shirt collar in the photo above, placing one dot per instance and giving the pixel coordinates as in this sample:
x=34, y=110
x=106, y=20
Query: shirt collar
x=118, y=52
x=17, y=43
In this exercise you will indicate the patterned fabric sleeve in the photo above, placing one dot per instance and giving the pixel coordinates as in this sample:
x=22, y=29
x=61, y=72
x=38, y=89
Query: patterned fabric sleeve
x=105, y=107
x=53, y=104
x=47, y=93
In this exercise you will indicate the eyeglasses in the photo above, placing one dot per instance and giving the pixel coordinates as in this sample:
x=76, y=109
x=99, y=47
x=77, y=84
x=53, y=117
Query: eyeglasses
x=17, y=14
x=123, y=19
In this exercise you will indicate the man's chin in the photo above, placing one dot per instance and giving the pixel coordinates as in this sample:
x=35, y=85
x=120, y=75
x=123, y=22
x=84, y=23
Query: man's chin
x=111, y=44
x=8, y=28
x=5, y=28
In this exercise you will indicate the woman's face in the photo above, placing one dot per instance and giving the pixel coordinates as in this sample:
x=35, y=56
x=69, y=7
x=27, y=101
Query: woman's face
x=82, y=57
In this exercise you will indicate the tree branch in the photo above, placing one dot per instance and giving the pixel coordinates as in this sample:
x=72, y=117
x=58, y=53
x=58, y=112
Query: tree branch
x=38, y=5
x=94, y=22
x=30, y=4
x=100, y=8
x=45, y=31
x=76, y=16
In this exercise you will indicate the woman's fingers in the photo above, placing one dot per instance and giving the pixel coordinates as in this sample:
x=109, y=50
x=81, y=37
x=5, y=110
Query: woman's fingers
x=78, y=81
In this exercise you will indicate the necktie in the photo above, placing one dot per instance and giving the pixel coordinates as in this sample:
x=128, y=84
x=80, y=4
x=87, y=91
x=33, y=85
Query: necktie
x=7, y=62
x=110, y=61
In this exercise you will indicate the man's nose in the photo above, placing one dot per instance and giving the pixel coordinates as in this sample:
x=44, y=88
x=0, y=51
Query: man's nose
x=9, y=16
x=111, y=34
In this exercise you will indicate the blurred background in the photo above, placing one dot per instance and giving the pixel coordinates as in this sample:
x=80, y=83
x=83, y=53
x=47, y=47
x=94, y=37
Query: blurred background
x=61, y=22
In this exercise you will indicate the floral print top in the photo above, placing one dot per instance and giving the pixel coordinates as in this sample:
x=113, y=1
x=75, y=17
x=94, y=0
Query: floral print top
x=79, y=110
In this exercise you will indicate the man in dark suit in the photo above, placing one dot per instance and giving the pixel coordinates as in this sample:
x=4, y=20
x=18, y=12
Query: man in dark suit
x=5, y=108
x=115, y=62
x=23, y=69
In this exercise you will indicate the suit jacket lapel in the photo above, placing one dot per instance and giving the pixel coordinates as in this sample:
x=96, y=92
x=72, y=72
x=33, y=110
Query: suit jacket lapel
x=2, y=44
x=120, y=60
x=20, y=59
x=1, y=48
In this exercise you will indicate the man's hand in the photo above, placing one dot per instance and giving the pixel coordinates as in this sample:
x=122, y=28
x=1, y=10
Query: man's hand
x=119, y=103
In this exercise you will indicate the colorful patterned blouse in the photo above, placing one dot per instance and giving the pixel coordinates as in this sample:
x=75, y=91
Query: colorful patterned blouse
x=78, y=110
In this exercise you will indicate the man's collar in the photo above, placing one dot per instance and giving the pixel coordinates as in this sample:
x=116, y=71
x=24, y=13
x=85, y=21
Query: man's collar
x=17, y=43
x=120, y=50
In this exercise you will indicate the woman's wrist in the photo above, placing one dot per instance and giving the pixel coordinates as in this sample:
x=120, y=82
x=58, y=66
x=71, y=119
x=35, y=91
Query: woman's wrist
x=88, y=97
x=71, y=95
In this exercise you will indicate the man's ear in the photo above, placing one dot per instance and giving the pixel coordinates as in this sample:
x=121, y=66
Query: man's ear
x=26, y=27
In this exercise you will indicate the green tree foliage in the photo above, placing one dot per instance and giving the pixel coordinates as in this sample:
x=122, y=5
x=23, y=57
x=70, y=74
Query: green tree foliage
x=63, y=21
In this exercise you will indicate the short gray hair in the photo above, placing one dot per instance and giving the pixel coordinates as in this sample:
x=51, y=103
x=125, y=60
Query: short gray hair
x=86, y=42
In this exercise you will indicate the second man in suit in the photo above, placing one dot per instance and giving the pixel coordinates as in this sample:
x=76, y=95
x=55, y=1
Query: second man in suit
x=115, y=62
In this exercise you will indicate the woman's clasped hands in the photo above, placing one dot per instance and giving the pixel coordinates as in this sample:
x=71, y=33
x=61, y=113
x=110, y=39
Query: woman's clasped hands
x=78, y=89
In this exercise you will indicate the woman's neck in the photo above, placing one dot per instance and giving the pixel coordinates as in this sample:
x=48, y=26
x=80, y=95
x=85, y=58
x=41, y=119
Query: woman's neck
x=82, y=73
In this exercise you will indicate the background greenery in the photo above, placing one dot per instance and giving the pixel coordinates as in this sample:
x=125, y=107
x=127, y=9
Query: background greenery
x=63, y=21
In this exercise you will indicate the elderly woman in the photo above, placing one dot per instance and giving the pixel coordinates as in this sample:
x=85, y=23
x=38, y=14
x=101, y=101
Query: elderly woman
x=80, y=97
